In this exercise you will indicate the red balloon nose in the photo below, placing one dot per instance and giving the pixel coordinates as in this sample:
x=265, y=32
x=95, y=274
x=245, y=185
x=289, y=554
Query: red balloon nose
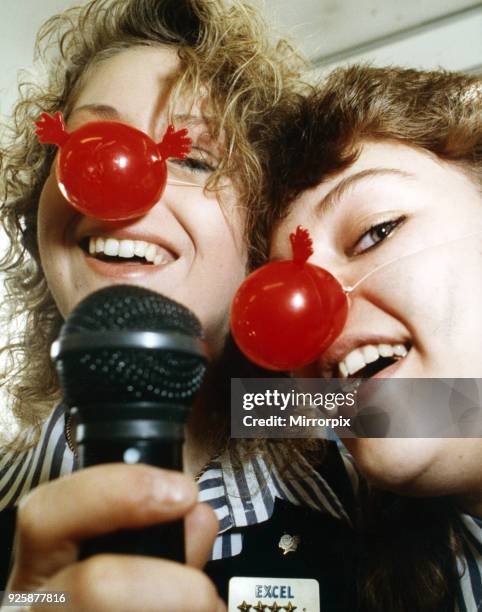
x=110, y=170
x=285, y=314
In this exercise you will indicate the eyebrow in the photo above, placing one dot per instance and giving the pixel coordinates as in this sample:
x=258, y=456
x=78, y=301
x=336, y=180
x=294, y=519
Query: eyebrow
x=110, y=112
x=193, y=119
x=333, y=197
x=103, y=110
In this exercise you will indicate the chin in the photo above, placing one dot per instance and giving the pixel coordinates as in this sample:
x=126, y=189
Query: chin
x=400, y=465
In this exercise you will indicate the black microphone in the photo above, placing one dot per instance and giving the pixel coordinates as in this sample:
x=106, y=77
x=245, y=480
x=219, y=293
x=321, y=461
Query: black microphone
x=130, y=362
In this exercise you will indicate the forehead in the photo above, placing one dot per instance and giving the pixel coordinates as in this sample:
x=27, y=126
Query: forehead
x=138, y=83
x=387, y=166
x=130, y=74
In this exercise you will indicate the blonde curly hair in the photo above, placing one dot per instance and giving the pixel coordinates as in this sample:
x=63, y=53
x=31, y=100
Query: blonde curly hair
x=223, y=49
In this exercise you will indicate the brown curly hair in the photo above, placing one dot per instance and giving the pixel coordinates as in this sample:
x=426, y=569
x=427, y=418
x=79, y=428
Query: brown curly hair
x=435, y=110
x=223, y=47
x=408, y=548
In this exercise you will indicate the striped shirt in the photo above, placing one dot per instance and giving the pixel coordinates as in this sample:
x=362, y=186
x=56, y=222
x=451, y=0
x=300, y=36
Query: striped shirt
x=239, y=497
x=470, y=567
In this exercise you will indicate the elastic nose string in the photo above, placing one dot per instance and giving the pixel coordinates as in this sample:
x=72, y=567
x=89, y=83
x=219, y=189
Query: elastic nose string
x=179, y=182
x=349, y=290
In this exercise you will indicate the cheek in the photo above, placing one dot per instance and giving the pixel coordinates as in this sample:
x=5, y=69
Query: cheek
x=220, y=241
x=219, y=256
x=227, y=258
x=444, y=303
x=218, y=269
x=426, y=291
x=54, y=216
x=46, y=215
x=53, y=213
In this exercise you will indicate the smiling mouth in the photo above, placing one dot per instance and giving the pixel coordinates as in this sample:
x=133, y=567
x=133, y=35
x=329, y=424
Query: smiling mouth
x=371, y=360
x=125, y=252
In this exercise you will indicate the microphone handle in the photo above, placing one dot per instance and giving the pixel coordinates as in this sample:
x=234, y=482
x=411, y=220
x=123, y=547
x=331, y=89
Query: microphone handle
x=164, y=540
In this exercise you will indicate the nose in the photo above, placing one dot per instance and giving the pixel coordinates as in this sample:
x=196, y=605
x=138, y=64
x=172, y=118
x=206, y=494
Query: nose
x=331, y=262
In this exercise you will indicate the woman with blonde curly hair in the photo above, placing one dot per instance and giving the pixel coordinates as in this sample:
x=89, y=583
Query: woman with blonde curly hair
x=202, y=64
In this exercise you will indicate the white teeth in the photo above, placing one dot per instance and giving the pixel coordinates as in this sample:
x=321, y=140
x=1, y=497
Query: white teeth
x=111, y=247
x=360, y=357
x=354, y=361
x=385, y=350
x=128, y=249
x=140, y=248
x=99, y=245
x=370, y=353
x=151, y=253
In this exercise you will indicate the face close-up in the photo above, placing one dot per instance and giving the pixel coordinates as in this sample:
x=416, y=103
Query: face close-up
x=189, y=245
x=418, y=220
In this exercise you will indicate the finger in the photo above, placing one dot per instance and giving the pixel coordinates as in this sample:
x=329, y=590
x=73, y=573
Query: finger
x=201, y=528
x=125, y=583
x=97, y=500
x=102, y=499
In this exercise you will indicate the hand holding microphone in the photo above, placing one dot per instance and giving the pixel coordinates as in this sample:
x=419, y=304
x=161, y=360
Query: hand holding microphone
x=56, y=517
x=130, y=362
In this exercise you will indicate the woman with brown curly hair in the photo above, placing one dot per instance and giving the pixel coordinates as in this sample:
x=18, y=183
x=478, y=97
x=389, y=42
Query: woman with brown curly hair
x=386, y=177
x=208, y=66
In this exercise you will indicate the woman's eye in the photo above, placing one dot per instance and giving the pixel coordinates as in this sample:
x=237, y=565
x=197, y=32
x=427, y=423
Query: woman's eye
x=194, y=164
x=376, y=234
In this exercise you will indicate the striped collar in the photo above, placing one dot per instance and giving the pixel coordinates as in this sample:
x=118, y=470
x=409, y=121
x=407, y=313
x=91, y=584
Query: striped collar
x=243, y=493
x=470, y=565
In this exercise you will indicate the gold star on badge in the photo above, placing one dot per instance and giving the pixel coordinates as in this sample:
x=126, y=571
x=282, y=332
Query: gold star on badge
x=244, y=607
x=275, y=607
x=260, y=607
x=290, y=607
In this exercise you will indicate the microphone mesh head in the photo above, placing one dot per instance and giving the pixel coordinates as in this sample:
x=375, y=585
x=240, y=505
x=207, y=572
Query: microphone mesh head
x=130, y=308
x=113, y=374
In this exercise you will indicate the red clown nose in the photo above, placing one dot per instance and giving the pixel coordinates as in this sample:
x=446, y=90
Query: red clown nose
x=288, y=312
x=110, y=170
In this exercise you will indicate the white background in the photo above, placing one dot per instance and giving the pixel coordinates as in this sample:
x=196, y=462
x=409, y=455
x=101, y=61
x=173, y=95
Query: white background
x=417, y=33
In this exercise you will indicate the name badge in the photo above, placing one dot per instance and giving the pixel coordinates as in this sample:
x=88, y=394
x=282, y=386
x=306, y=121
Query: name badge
x=273, y=595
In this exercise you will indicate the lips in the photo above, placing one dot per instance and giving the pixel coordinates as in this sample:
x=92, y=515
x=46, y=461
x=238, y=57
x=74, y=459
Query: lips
x=123, y=251
x=371, y=358
x=124, y=246
x=364, y=357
